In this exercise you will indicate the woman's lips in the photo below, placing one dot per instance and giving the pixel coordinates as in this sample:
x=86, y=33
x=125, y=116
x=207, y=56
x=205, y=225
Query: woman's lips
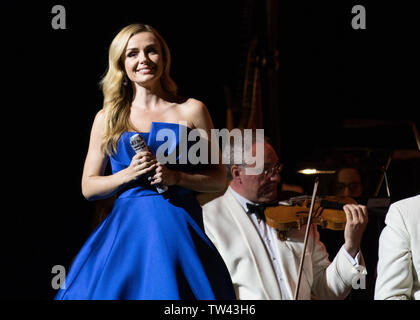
x=144, y=70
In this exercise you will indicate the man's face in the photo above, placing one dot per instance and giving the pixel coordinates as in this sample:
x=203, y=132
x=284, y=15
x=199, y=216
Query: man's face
x=349, y=183
x=262, y=187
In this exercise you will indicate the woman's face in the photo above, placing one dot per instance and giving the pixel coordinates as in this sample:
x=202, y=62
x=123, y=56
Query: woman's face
x=143, y=60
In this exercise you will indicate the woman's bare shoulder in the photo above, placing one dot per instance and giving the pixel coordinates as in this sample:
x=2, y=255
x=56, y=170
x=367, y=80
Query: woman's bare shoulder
x=100, y=115
x=193, y=107
x=195, y=112
x=99, y=122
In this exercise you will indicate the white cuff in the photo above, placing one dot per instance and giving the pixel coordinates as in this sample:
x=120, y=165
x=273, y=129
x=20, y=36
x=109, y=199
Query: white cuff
x=354, y=261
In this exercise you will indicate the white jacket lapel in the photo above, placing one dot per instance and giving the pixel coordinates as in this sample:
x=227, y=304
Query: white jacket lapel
x=258, y=252
x=290, y=252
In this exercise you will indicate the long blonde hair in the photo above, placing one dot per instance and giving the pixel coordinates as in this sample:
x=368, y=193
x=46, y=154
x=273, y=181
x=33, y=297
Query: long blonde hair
x=117, y=95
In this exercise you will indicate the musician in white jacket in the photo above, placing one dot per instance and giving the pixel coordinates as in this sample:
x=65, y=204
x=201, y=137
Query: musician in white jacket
x=263, y=266
x=399, y=252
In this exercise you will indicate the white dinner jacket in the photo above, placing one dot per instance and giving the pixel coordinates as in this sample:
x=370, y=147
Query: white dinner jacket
x=399, y=252
x=239, y=243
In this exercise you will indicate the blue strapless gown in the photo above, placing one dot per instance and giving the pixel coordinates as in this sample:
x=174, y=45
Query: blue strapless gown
x=151, y=246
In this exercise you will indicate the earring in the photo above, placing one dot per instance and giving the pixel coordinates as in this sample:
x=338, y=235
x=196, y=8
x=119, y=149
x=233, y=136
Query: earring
x=125, y=80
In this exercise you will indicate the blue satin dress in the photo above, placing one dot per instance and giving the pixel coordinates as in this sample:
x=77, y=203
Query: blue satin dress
x=151, y=246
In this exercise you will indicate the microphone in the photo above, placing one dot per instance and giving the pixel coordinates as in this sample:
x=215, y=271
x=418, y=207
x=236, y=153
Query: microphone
x=138, y=144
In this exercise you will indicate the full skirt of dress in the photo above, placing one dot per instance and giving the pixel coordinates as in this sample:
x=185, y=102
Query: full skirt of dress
x=149, y=248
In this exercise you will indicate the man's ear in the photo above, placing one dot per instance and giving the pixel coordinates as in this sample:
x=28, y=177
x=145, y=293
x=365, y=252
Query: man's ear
x=235, y=171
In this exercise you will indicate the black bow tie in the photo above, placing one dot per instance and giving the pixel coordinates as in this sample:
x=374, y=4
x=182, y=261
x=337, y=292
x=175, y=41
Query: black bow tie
x=258, y=209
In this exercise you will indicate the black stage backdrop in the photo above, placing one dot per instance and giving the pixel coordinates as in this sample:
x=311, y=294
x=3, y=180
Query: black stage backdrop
x=329, y=72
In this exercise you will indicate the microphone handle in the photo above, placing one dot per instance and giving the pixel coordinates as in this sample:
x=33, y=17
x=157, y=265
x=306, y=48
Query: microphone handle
x=138, y=144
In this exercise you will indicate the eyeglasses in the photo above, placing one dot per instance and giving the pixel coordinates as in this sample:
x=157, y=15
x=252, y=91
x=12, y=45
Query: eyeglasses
x=353, y=186
x=276, y=169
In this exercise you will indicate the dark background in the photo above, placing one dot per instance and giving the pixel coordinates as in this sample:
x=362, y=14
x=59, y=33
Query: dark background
x=329, y=73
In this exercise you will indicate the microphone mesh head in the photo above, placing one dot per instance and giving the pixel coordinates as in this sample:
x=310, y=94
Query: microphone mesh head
x=137, y=142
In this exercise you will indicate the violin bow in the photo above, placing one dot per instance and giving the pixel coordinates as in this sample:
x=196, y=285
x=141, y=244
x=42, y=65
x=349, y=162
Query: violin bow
x=306, y=237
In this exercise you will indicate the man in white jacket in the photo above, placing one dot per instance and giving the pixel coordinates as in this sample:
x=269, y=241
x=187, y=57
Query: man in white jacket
x=399, y=252
x=263, y=266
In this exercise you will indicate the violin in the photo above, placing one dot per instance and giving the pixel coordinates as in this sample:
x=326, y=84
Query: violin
x=297, y=211
x=327, y=212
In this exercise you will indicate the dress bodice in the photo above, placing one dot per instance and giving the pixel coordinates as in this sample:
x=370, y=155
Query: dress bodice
x=168, y=141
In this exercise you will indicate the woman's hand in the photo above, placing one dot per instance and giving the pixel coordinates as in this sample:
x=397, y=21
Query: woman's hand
x=164, y=176
x=142, y=163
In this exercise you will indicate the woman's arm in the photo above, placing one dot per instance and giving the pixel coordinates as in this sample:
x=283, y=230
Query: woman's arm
x=212, y=179
x=97, y=186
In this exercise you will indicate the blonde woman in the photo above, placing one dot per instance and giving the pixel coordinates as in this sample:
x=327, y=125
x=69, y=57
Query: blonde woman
x=152, y=245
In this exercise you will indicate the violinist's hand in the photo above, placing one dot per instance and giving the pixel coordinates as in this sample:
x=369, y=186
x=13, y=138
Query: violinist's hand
x=164, y=176
x=357, y=219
